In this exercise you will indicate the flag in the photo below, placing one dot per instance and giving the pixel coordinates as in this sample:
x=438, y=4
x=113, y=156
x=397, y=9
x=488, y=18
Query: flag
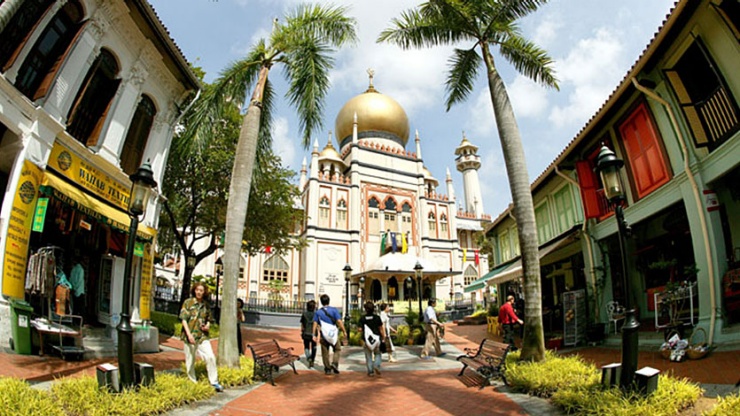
x=477, y=258
x=465, y=255
x=394, y=245
x=382, y=244
x=404, y=244
x=268, y=249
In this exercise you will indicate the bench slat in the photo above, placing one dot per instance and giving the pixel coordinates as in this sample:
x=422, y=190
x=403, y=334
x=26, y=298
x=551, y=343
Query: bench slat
x=268, y=356
x=488, y=360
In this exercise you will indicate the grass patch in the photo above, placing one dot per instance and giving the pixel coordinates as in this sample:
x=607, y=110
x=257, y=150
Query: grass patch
x=726, y=406
x=17, y=397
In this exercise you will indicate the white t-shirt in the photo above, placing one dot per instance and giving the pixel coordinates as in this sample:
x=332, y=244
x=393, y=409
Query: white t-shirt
x=430, y=315
x=386, y=322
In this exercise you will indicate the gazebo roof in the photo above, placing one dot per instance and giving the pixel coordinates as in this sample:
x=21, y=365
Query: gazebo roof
x=398, y=264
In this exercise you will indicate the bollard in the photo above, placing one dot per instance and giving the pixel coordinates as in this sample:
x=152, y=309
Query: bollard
x=144, y=374
x=610, y=374
x=646, y=379
x=107, y=375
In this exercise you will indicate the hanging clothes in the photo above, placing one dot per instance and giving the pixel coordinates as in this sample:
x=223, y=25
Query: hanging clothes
x=77, y=280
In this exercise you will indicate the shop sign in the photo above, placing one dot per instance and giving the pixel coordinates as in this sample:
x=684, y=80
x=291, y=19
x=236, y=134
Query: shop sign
x=139, y=249
x=88, y=176
x=19, y=230
x=147, y=267
x=711, y=200
x=40, y=216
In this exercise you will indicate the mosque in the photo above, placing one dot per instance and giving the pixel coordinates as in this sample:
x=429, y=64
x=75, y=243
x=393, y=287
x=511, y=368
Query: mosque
x=373, y=207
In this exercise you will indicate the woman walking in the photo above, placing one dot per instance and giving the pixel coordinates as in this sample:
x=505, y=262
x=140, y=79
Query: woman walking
x=386, y=320
x=374, y=335
x=309, y=344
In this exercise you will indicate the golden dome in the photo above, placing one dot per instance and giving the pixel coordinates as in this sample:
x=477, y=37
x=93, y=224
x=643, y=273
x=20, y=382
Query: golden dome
x=330, y=153
x=375, y=112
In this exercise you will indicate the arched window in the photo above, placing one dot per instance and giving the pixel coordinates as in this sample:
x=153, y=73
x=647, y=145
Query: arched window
x=19, y=28
x=342, y=214
x=443, y=226
x=85, y=120
x=373, y=216
x=390, y=215
x=275, y=268
x=138, y=133
x=324, y=211
x=432, y=219
x=405, y=218
x=471, y=275
x=43, y=61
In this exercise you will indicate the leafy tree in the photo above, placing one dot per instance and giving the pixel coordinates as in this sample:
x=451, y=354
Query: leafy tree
x=302, y=46
x=486, y=24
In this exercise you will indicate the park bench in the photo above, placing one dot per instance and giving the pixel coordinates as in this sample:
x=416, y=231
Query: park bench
x=269, y=357
x=488, y=361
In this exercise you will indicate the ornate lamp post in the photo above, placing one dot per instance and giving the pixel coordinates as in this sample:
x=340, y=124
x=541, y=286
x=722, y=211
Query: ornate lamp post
x=608, y=166
x=142, y=183
x=361, y=291
x=419, y=271
x=408, y=290
x=347, y=275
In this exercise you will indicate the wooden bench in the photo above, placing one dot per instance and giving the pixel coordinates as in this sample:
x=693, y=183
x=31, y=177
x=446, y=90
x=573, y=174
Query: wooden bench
x=488, y=360
x=269, y=357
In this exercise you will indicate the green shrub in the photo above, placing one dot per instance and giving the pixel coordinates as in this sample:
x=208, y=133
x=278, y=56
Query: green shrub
x=402, y=334
x=17, y=397
x=230, y=377
x=166, y=323
x=726, y=406
x=553, y=374
x=355, y=337
x=672, y=396
x=418, y=335
x=479, y=312
x=411, y=318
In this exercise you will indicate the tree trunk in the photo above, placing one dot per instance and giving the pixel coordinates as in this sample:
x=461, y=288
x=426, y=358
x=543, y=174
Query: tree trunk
x=533, y=345
x=8, y=8
x=236, y=216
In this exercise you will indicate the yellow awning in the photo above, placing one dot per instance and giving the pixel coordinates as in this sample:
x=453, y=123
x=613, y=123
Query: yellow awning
x=91, y=205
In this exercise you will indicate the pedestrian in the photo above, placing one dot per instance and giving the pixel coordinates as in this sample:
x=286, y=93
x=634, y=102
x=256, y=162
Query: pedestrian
x=507, y=318
x=195, y=317
x=374, y=334
x=325, y=323
x=239, y=319
x=432, y=326
x=309, y=344
x=390, y=348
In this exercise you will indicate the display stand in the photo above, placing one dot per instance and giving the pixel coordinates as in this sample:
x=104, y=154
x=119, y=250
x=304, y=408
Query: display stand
x=678, y=298
x=574, y=316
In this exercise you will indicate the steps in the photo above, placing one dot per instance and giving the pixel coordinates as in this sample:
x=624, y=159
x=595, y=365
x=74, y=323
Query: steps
x=98, y=343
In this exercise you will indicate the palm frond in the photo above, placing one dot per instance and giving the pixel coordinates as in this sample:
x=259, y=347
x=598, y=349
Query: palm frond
x=530, y=60
x=307, y=69
x=413, y=30
x=513, y=9
x=230, y=88
x=325, y=23
x=463, y=65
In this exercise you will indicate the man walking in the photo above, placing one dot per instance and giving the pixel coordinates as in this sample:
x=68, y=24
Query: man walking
x=328, y=317
x=508, y=318
x=432, y=326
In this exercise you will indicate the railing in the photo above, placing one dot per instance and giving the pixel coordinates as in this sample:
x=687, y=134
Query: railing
x=718, y=114
x=398, y=307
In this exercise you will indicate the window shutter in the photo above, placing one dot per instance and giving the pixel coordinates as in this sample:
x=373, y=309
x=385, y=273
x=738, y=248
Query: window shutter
x=643, y=150
x=49, y=77
x=589, y=186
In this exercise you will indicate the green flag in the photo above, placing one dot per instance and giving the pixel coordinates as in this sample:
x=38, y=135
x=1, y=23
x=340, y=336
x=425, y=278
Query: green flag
x=382, y=244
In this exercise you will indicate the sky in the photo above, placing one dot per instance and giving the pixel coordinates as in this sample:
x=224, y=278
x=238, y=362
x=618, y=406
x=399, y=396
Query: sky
x=593, y=44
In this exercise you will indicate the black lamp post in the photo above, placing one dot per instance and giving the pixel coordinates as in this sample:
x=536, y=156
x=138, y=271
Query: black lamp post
x=419, y=271
x=347, y=275
x=408, y=290
x=608, y=166
x=361, y=291
x=142, y=183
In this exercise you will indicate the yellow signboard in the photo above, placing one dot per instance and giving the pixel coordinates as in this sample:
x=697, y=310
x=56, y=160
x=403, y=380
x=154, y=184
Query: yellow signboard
x=145, y=297
x=91, y=178
x=19, y=230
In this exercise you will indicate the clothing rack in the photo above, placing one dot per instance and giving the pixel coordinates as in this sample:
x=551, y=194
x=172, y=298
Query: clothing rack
x=42, y=272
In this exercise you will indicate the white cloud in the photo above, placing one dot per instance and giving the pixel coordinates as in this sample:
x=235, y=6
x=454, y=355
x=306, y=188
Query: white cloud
x=283, y=143
x=547, y=29
x=481, y=117
x=590, y=71
x=527, y=97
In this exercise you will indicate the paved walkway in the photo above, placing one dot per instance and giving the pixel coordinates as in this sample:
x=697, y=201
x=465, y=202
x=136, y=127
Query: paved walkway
x=410, y=385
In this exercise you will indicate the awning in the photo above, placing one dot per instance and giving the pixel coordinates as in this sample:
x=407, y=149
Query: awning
x=469, y=225
x=402, y=264
x=90, y=205
x=480, y=283
x=515, y=269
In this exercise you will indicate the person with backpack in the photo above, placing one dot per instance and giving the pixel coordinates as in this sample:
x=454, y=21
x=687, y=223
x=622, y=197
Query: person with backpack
x=309, y=344
x=325, y=323
x=373, y=333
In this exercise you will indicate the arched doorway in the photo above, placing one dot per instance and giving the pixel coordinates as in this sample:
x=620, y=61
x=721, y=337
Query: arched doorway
x=393, y=288
x=376, y=290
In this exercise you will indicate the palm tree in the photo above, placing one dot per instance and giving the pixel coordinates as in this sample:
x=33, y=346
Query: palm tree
x=487, y=23
x=302, y=44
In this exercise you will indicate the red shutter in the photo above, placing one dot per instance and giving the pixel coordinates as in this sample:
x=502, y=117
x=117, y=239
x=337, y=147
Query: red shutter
x=589, y=187
x=646, y=159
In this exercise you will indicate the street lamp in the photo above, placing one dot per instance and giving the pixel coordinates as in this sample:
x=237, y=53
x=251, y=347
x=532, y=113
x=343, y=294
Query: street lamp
x=142, y=183
x=409, y=282
x=419, y=271
x=347, y=275
x=361, y=291
x=608, y=166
